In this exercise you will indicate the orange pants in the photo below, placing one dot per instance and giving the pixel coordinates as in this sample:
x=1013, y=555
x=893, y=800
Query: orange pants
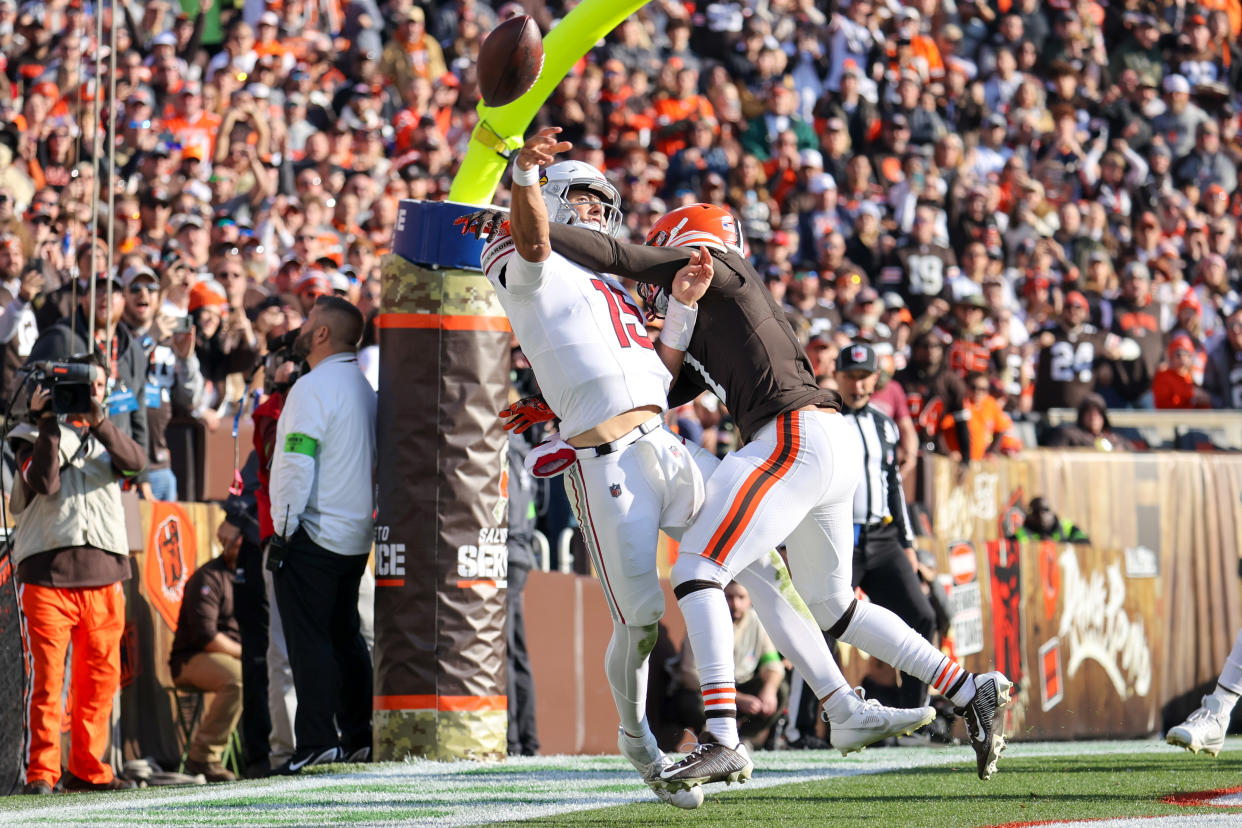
x=92, y=620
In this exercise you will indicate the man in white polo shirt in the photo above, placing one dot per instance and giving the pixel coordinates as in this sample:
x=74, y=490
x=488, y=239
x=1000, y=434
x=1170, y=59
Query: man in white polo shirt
x=323, y=502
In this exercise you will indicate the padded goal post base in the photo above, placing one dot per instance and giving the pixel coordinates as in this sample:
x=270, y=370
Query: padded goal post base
x=441, y=557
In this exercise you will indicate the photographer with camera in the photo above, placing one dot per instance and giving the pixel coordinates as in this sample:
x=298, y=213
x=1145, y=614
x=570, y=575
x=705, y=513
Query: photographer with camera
x=281, y=368
x=173, y=379
x=71, y=552
x=113, y=347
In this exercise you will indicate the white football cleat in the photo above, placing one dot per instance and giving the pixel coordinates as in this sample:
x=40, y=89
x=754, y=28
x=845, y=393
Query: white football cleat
x=647, y=758
x=1204, y=729
x=870, y=722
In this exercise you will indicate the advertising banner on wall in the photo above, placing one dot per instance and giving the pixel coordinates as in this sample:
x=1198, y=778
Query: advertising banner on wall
x=1097, y=635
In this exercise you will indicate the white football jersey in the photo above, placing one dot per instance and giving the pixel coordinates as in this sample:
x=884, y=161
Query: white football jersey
x=583, y=334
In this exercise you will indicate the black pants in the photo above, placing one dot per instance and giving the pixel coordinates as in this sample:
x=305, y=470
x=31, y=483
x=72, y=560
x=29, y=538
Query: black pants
x=250, y=606
x=317, y=596
x=884, y=572
x=521, y=681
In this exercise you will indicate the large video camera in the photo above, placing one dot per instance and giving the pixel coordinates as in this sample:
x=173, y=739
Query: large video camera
x=69, y=382
x=279, y=351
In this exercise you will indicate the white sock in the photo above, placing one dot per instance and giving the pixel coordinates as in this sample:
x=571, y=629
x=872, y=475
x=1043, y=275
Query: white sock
x=724, y=728
x=625, y=664
x=1227, y=698
x=880, y=632
x=967, y=692
x=840, y=705
x=1231, y=674
x=792, y=734
x=709, y=629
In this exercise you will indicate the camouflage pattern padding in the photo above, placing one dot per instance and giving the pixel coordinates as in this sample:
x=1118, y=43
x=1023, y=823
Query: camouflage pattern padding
x=443, y=736
x=408, y=288
x=442, y=527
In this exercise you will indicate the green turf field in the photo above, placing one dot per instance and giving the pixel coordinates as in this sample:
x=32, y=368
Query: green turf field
x=896, y=786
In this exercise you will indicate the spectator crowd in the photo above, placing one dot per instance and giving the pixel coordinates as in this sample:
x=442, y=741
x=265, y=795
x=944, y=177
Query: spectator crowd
x=1044, y=195
x=1020, y=205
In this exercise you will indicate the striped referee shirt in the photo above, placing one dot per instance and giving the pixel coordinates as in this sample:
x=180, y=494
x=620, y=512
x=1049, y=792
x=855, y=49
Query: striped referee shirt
x=880, y=496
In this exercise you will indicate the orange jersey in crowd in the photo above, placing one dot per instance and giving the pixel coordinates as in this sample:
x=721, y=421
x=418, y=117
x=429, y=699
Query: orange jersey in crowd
x=197, y=133
x=670, y=110
x=987, y=419
x=1173, y=389
x=1233, y=8
x=965, y=357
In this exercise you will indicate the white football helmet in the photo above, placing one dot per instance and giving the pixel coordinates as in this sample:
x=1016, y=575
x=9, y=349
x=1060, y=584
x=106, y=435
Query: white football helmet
x=563, y=176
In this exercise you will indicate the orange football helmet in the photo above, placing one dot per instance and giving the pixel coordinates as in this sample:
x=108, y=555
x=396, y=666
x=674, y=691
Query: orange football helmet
x=696, y=224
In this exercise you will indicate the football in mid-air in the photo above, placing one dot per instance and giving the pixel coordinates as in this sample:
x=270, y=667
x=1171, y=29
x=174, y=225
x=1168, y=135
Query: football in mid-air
x=510, y=60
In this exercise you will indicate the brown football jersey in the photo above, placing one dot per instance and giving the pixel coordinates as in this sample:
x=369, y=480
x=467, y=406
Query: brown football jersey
x=925, y=270
x=1132, y=378
x=743, y=348
x=1066, y=370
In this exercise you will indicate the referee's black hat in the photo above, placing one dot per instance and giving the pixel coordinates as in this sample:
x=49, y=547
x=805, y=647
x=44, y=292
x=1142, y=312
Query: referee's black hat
x=857, y=356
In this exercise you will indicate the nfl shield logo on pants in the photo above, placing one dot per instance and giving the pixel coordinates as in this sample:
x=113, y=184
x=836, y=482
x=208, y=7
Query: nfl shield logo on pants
x=615, y=489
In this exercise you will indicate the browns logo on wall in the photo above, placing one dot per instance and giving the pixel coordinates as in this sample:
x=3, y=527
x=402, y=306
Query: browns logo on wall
x=172, y=551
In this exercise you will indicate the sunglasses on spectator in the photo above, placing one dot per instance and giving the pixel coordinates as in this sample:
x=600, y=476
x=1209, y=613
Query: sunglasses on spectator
x=144, y=287
x=981, y=387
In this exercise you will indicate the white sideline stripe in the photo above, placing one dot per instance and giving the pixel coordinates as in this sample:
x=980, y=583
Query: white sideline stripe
x=551, y=785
